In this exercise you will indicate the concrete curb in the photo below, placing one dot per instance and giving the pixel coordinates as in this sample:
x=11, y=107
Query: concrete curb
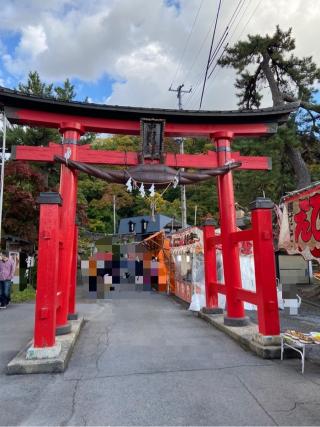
x=244, y=335
x=20, y=365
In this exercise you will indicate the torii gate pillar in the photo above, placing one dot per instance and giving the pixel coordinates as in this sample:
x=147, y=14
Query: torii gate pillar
x=230, y=250
x=71, y=133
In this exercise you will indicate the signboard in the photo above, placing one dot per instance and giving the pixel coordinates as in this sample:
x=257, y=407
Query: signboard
x=300, y=223
x=188, y=240
x=187, y=252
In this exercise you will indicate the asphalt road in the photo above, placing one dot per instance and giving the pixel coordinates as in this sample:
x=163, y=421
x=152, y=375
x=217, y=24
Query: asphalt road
x=148, y=361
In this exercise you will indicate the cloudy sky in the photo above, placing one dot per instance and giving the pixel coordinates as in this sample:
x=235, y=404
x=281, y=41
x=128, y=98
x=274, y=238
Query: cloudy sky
x=129, y=52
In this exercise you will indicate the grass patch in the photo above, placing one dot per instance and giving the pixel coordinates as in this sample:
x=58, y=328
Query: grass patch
x=28, y=294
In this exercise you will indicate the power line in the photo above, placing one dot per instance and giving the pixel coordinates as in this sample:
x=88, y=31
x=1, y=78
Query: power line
x=223, y=38
x=199, y=51
x=232, y=20
x=244, y=27
x=187, y=42
x=243, y=14
x=196, y=86
x=218, y=47
x=236, y=11
x=247, y=23
x=217, y=63
x=204, y=40
x=227, y=29
x=209, y=57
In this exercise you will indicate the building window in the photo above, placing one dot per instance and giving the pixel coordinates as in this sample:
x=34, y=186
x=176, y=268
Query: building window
x=132, y=227
x=144, y=225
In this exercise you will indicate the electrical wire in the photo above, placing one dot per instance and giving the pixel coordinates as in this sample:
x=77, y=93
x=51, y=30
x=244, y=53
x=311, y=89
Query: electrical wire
x=222, y=39
x=247, y=23
x=218, y=47
x=196, y=87
x=244, y=27
x=235, y=15
x=209, y=57
x=238, y=37
x=187, y=42
x=229, y=42
x=199, y=51
x=217, y=63
x=228, y=28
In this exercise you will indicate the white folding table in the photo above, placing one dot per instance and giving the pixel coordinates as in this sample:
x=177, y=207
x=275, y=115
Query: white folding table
x=299, y=347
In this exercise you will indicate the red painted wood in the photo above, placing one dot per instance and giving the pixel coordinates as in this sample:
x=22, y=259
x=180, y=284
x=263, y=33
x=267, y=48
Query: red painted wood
x=242, y=236
x=221, y=287
x=68, y=191
x=47, y=276
x=210, y=267
x=301, y=193
x=252, y=162
x=104, y=157
x=39, y=154
x=73, y=281
x=246, y=295
x=132, y=127
x=264, y=264
x=242, y=294
x=215, y=240
x=230, y=251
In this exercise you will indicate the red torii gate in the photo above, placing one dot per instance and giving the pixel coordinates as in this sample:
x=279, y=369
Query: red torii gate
x=56, y=281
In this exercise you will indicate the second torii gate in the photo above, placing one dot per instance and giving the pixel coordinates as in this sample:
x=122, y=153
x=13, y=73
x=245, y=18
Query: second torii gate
x=58, y=247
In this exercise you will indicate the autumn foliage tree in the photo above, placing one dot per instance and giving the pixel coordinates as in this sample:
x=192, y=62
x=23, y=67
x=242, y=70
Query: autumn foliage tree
x=22, y=184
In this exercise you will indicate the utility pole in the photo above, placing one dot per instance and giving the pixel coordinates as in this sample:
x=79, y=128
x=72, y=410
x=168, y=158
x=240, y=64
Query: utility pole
x=180, y=91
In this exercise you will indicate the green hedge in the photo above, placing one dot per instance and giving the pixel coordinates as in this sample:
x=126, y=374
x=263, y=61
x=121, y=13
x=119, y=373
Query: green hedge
x=17, y=296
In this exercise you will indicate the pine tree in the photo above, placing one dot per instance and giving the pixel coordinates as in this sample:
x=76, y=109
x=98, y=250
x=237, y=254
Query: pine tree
x=267, y=59
x=66, y=92
x=35, y=86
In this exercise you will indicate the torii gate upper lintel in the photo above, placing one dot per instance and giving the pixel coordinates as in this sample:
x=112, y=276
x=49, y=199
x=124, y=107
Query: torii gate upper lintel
x=73, y=119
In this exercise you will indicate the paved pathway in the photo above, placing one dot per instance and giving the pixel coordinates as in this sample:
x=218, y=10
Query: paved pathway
x=148, y=361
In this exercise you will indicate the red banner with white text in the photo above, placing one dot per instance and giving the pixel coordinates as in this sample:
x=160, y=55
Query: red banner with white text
x=300, y=223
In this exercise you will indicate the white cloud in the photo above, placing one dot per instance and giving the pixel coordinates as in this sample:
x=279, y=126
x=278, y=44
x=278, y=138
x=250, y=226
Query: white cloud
x=33, y=43
x=33, y=40
x=139, y=43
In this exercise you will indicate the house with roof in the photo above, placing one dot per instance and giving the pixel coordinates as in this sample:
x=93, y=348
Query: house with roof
x=142, y=226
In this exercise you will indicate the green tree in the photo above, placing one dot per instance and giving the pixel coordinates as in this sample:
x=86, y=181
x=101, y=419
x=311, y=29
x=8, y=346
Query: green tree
x=118, y=142
x=267, y=60
x=35, y=86
x=39, y=136
x=66, y=92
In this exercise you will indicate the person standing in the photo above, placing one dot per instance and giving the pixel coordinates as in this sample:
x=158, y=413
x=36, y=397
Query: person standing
x=7, y=267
